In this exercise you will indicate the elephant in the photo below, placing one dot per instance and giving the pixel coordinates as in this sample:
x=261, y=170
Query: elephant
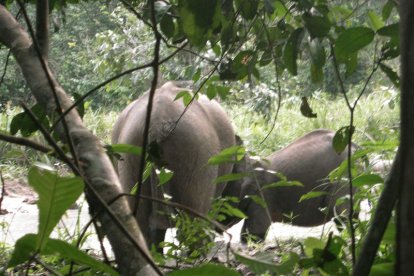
x=309, y=160
x=185, y=145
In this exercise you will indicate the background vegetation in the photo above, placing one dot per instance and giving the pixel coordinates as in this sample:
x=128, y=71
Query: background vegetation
x=93, y=41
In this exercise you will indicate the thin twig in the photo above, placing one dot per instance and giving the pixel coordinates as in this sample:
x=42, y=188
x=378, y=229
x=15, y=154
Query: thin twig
x=25, y=142
x=3, y=190
x=5, y=67
x=349, y=153
x=279, y=90
x=155, y=68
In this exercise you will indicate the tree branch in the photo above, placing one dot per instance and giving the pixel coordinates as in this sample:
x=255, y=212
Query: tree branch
x=42, y=26
x=25, y=142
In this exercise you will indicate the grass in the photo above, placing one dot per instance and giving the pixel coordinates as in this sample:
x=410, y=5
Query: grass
x=376, y=119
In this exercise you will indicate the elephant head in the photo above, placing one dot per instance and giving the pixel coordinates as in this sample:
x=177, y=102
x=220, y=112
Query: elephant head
x=186, y=141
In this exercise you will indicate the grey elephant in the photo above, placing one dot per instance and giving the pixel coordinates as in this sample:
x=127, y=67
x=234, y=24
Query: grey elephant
x=309, y=160
x=185, y=147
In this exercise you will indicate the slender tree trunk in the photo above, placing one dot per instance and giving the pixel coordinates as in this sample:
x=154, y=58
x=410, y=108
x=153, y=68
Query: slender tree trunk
x=405, y=214
x=95, y=166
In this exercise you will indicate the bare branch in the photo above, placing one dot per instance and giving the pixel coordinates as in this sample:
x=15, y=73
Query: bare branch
x=42, y=26
x=25, y=142
x=155, y=67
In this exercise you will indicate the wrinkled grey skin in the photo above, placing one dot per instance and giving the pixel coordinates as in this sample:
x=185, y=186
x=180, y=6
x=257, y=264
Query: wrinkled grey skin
x=309, y=160
x=202, y=132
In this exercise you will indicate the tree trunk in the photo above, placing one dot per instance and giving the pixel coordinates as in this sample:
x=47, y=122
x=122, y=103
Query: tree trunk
x=405, y=214
x=95, y=166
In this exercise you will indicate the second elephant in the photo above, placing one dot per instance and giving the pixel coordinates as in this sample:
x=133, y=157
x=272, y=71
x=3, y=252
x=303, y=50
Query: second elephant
x=309, y=160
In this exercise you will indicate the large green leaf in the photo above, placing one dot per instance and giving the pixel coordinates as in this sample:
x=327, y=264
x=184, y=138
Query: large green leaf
x=56, y=195
x=391, y=74
x=126, y=148
x=230, y=177
x=199, y=19
x=317, y=52
x=375, y=21
x=26, y=246
x=367, y=179
x=205, y=270
x=247, y=8
x=352, y=40
x=317, y=26
x=261, y=266
x=312, y=194
x=290, y=51
x=232, y=154
x=341, y=138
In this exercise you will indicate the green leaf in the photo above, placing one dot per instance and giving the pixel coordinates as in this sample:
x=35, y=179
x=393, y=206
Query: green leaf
x=211, y=91
x=316, y=75
x=290, y=51
x=126, y=148
x=232, y=154
x=186, y=95
x=312, y=243
x=223, y=91
x=341, y=138
x=383, y=269
x=197, y=75
x=25, y=248
x=199, y=19
x=248, y=9
x=56, y=195
x=375, y=21
x=72, y=253
x=258, y=200
x=167, y=26
x=318, y=26
x=312, y=194
x=317, y=52
x=387, y=9
x=391, y=74
x=352, y=40
x=232, y=211
x=392, y=31
x=164, y=175
x=366, y=179
x=205, y=270
x=261, y=266
x=282, y=183
x=351, y=63
x=230, y=177
x=25, y=124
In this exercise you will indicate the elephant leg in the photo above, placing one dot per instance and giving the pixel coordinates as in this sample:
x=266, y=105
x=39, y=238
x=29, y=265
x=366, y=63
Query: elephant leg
x=257, y=222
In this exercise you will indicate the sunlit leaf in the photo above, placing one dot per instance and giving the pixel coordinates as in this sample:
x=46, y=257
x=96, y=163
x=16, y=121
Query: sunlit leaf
x=375, y=21
x=230, y=177
x=56, y=195
x=367, y=179
x=232, y=154
x=341, y=138
x=126, y=148
x=352, y=40
x=312, y=194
